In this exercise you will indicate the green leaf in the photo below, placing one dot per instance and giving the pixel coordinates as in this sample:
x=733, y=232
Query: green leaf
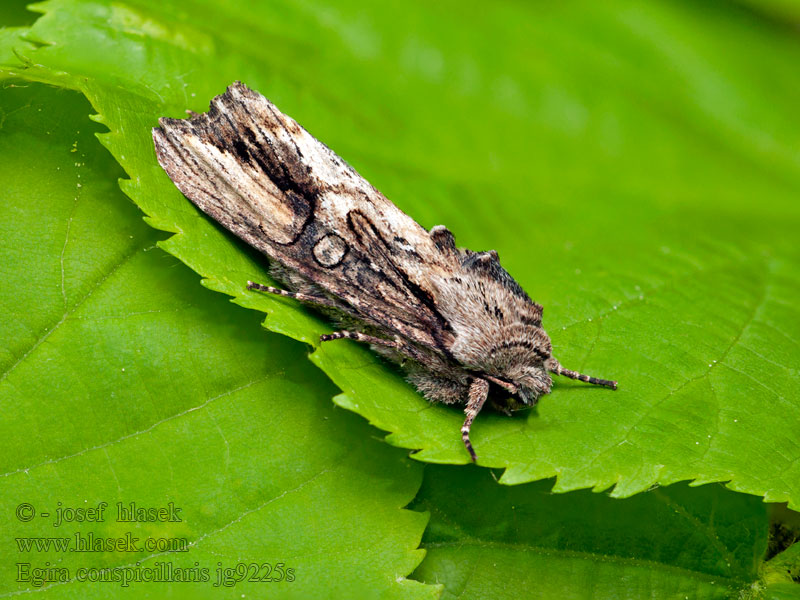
x=123, y=381
x=787, y=11
x=674, y=542
x=782, y=571
x=635, y=166
x=14, y=14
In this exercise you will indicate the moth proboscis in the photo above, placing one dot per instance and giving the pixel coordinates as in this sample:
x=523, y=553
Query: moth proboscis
x=454, y=319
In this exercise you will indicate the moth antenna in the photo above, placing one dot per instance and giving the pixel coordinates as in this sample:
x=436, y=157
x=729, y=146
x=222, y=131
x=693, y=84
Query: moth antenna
x=559, y=370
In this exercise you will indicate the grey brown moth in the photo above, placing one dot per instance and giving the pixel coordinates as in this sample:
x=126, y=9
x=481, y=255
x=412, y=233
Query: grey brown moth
x=454, y=319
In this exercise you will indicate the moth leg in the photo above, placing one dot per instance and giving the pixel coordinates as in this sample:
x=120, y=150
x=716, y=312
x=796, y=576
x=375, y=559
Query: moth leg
x=396, y=344
x=478, y=391
x=360, y=337
x=506, y=385
x=296, y=295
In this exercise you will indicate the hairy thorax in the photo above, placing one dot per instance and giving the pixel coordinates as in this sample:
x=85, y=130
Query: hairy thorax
x=496, y=327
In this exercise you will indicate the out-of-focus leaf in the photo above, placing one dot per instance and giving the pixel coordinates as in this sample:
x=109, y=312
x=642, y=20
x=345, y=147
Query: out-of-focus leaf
x=13, y=13
x=784, y=11
x=487, y=541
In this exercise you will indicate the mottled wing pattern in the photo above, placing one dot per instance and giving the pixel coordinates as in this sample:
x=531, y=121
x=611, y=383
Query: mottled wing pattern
x=267, y=180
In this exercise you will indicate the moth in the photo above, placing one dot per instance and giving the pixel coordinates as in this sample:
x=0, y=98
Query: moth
x=454, y=319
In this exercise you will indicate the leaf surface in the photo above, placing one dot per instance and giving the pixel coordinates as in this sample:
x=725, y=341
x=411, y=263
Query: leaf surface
x=635, y=166
x=125, y=382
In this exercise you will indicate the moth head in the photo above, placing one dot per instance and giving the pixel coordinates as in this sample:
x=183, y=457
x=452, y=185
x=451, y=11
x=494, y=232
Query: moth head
x=520, y=365
x=527, y=383
x=527, y=374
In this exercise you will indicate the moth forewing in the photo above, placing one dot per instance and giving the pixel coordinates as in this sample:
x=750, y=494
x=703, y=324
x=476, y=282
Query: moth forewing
x=454, y=319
